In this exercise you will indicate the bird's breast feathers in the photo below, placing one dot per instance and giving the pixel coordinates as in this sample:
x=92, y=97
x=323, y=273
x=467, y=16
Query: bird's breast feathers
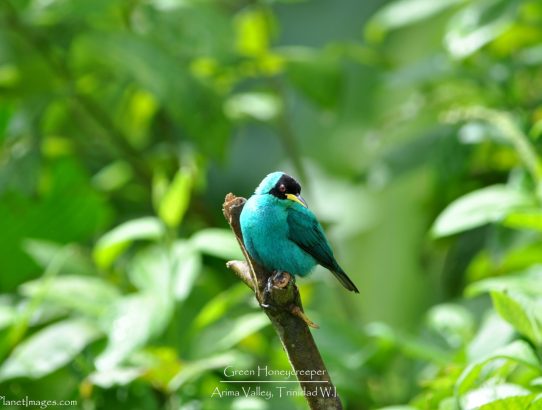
x=266, y=235
x=265, y=215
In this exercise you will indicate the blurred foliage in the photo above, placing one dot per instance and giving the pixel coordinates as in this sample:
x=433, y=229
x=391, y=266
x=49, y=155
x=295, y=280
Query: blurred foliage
x=414, y=126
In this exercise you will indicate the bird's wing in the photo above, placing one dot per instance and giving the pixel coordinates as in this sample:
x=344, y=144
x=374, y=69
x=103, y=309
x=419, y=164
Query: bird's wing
x=307, y=233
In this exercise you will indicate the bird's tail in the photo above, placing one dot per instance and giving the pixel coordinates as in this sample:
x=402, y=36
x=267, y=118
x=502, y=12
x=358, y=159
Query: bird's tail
x=345, y=280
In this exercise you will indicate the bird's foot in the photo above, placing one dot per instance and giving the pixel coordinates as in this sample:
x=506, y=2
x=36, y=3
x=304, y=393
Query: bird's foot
x=280, y=280
x=277, y=280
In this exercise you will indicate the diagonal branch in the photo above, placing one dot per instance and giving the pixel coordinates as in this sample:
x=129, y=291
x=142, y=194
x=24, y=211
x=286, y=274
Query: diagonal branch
x=287, y=318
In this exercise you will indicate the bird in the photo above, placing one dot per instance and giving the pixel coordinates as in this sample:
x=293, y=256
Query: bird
x=282, y=234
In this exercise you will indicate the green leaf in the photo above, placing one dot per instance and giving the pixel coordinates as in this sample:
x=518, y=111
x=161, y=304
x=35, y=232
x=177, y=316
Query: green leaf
x=160, y=185
x=119, y=376
x=486, y=396
x=49, y=349
x=176, y=198
x=410, y=346
x=493, y=263
x=217, y=306
x=150, y=271
x=113, y=176
x=227, y=332
x=449, y=403
x=516, y=352
x=402, y=13
x=132, y=322
x=486, y=205
x=87, y=294
x=43, y=253
x=7, y=315
x=524, y=219
x=513, y=403
x=242, y=327
x=479, y=24
x=217, y=242
x=161, y=364
x=114, y=242
x=259, y=106
x=187, y=265
x=520, y=311
x=455, y=323
x=528, y=283
x=252, y=27
x=536, y=130
x=494, y=333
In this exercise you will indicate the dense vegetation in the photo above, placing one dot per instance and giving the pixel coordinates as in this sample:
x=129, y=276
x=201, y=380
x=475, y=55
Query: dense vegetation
x=414, y=126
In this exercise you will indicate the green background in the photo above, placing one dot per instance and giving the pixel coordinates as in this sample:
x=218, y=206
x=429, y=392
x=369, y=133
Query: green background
x=413, y=125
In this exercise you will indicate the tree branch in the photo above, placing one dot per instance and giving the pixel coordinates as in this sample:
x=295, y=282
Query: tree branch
x=286, y=316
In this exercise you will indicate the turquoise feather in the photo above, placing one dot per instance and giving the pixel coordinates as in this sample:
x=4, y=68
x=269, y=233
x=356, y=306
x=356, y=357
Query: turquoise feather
x=282, y=234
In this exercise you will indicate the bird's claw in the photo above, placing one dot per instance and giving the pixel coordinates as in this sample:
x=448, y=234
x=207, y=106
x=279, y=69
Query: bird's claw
x=268, y=306
x=266, y=302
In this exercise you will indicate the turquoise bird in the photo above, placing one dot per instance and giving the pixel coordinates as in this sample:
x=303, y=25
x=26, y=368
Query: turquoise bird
x=282, y=234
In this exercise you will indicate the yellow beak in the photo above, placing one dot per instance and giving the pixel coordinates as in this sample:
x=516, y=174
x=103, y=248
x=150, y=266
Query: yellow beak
x=297, y=198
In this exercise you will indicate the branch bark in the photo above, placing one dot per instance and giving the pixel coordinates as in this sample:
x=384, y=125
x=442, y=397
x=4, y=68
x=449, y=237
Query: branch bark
x=287, y=317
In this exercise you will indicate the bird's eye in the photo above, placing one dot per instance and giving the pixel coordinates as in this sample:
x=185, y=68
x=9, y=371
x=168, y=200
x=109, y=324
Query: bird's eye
x=282, y=188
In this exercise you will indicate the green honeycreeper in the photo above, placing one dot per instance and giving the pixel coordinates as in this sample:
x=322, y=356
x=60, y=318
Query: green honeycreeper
x=282, y=234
